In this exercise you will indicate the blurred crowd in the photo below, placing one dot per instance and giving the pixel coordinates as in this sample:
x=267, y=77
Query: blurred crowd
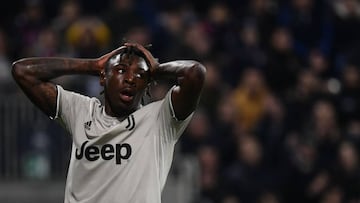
x=279, y=118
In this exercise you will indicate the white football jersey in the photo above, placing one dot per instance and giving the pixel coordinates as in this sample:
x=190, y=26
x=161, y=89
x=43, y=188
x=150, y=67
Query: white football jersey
x=114, y=161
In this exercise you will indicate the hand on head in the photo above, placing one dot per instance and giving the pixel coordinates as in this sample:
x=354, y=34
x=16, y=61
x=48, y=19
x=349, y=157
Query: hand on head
x=101, y=62
x=151, y=61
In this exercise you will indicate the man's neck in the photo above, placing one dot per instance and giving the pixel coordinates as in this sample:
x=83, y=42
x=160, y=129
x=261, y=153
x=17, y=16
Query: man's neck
x=121, y=114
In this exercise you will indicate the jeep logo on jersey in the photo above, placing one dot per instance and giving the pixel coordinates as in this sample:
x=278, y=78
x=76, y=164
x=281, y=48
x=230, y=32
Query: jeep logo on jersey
x=105, y=152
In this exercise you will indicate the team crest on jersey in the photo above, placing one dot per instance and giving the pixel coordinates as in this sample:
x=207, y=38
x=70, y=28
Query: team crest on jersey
x=130, y=122
x=87, y=125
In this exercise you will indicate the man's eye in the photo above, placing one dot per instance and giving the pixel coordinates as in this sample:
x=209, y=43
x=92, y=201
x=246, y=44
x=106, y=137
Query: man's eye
x=139, y=75
x=121, y=71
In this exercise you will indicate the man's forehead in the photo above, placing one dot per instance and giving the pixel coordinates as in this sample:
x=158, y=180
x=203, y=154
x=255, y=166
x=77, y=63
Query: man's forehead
x=123, y=58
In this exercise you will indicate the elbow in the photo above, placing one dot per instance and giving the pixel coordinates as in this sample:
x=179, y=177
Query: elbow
x=196, y=73
x=18, y=70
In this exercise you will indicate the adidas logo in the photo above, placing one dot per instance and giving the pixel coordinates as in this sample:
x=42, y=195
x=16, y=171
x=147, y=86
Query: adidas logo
x=87, y=125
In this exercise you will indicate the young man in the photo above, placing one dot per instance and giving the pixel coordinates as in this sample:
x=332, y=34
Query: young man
x=122, y=151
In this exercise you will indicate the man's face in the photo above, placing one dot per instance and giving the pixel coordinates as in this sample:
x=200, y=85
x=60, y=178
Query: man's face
x=125, y=81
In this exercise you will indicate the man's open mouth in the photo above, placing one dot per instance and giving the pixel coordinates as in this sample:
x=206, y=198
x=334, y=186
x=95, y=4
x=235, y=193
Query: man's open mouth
x=127, y=95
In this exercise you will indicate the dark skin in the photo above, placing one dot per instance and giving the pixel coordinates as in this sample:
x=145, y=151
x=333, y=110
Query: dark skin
x=124, y=83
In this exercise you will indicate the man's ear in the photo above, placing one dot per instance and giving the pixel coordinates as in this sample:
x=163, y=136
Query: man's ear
x=102, y=78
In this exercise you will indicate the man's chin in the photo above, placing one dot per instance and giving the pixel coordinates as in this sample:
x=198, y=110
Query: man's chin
x=122, y=111
x=124, y=106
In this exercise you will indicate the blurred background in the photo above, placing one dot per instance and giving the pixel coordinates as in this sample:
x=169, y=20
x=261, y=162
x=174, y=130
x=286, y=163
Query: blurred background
x=279, y=118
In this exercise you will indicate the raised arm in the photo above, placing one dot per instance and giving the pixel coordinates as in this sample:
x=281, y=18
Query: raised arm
x=189, y=76
x=33, y=75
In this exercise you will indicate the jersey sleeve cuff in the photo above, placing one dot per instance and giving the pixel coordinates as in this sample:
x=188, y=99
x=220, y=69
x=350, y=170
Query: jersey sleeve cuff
x=172, y=108
x=57, y=103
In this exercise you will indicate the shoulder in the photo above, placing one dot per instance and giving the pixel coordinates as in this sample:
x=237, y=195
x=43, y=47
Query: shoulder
x=160, y=102
x=73, y=100
x=154, y=108
x=74, y=95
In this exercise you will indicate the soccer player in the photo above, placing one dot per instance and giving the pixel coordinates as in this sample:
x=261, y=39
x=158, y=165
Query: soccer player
x=122, y=151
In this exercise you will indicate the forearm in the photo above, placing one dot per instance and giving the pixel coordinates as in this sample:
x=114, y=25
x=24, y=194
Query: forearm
x=45, y=69
x=34, y=74
x=182, y=72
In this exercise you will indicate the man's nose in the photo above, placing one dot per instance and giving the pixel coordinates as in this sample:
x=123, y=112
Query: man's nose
x=130, y=78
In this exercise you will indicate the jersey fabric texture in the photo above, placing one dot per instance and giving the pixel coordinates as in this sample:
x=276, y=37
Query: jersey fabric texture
x=117, y=161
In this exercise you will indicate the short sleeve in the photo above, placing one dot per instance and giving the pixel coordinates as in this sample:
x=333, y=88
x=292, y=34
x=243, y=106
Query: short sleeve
x=70, y=108
x=171, y=128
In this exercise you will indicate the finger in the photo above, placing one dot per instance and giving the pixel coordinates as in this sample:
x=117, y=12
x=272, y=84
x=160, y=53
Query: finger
x=130, y=44
x=118, y=50
x=136, y=46
x=148, y=56
x=102, y=61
